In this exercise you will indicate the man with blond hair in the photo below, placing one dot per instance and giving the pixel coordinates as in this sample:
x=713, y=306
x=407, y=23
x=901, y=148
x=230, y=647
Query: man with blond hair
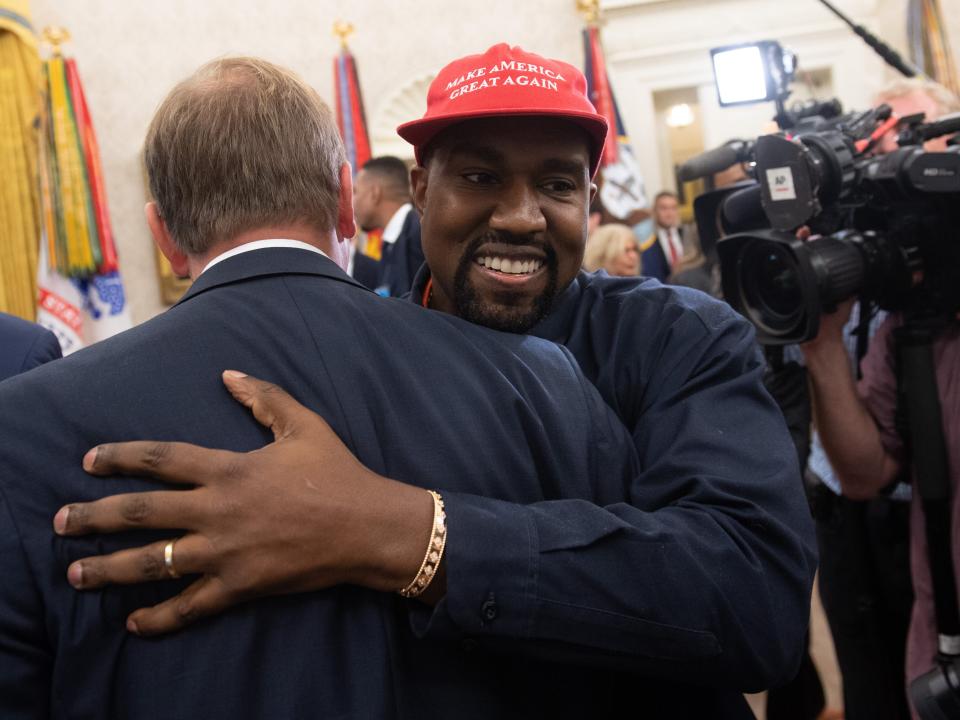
x=252, y=199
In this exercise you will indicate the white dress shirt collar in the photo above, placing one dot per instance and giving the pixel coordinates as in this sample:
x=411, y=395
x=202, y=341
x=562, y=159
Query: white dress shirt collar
x=260, y=245
x=392, y=230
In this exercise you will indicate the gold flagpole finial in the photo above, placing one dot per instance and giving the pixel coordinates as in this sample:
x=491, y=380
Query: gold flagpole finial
x=55, y=36
x=590, y=9
x=343, y=30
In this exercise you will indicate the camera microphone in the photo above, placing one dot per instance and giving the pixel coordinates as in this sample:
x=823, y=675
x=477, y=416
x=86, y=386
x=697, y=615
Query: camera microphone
x=716, y=160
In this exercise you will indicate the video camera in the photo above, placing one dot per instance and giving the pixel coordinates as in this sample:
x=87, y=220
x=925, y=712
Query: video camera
x=888, y=228
x=888, y=224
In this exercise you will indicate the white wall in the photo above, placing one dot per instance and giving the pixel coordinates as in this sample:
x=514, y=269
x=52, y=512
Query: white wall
x=130, y=52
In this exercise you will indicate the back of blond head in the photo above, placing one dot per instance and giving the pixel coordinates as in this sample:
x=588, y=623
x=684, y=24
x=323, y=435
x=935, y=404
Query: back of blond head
x=946, y=101
x=242, y=144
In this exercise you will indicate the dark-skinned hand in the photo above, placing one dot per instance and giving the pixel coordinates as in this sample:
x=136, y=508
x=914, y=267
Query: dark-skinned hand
x=298, y=515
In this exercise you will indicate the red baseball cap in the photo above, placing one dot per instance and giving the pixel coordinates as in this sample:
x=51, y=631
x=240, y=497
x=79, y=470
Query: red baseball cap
x=506, y=81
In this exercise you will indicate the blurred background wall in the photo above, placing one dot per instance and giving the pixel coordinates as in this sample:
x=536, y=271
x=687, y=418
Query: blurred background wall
x=131, y=52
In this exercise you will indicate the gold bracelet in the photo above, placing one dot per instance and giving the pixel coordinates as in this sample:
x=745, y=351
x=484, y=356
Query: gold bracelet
x=431, y=561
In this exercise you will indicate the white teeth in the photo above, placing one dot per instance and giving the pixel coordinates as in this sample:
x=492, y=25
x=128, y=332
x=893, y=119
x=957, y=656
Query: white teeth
x=511, y=267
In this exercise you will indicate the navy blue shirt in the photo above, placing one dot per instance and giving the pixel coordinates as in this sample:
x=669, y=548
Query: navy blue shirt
x=702, y=575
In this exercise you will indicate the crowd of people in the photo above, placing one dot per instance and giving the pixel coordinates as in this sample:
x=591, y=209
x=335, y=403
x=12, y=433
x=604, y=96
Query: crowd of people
x=471, y=478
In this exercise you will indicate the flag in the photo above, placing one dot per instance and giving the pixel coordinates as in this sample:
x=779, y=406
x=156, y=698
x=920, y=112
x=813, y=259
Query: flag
x=20, y=81
x=352, y=121
x=929, y=46
x=350, y=114
x=80, y=292
x=621, y=192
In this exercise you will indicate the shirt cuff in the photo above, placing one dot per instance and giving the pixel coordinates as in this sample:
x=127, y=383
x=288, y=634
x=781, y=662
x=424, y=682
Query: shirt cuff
x=491, y=559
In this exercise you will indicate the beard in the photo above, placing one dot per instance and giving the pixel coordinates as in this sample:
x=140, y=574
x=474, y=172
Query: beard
x=504, y=316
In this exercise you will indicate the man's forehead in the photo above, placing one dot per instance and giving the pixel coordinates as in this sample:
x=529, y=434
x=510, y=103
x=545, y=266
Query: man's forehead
x=499, y=139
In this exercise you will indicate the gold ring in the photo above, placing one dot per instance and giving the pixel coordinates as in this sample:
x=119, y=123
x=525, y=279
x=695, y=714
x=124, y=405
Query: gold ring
x=168, y=559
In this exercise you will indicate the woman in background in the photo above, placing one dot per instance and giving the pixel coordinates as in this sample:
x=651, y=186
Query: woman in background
x=613, y=248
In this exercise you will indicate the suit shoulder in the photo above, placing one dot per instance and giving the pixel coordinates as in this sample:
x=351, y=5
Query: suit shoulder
x=25, y=345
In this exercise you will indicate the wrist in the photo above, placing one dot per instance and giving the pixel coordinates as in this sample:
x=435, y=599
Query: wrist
x=394, y=535
x=825, y=355
x=431, y=565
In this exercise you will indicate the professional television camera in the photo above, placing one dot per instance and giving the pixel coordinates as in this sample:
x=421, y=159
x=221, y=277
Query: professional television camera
x=890, y=234
x=889, y=224
x=888, y=230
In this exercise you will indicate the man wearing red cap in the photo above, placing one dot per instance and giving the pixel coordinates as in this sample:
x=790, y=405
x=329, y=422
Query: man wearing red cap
x=675, y=602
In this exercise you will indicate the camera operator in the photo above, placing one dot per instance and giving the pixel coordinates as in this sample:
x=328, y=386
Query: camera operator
x=864, y=533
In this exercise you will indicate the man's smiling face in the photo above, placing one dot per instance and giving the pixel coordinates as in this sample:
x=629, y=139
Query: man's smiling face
x=504, y=203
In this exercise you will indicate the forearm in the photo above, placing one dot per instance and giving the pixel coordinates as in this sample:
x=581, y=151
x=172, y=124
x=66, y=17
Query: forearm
x=849, y=434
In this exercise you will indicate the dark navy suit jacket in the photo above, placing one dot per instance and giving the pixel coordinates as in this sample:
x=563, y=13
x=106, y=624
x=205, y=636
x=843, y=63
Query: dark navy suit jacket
x=24, y=345
x=402, y=259
x=503, y=425
x=653, y=261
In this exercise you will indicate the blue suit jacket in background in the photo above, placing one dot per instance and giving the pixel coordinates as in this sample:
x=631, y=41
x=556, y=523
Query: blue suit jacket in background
x=401, y=260
x=366, y=270
x=504, y=426
x=24, y=345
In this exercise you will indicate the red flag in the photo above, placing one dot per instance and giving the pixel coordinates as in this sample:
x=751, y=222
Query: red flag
x=600, y=93
x=351, y=117
x=621, y=192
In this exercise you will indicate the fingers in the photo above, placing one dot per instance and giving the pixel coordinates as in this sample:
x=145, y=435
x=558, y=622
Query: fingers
x=143, y=564
x=272, y=406
x=207, y=596
x=171, y=462
x=159, y=510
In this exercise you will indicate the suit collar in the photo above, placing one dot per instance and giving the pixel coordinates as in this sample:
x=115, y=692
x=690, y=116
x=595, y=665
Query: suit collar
x=264, y=262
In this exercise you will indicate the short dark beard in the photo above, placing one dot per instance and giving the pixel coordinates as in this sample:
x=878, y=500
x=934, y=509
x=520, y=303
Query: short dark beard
x=471, y=307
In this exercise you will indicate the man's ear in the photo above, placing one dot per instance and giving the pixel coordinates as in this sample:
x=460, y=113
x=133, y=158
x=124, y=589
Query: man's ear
x=376, y=191
x=346, y=224
x=593, y=194
x=161, y=236
x=418, y=187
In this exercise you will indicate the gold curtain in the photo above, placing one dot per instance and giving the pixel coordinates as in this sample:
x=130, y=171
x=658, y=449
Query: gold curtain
x=20, y=99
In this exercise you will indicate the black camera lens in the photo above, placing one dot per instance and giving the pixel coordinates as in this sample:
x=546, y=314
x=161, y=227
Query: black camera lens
x=771, y=286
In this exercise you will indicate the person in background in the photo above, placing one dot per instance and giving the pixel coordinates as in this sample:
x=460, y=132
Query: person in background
x=613, y=248
x=382, y=200
x=24, y=345
x=363, y=268
x=864, y=544
x=663, y=250
x=693, y=270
